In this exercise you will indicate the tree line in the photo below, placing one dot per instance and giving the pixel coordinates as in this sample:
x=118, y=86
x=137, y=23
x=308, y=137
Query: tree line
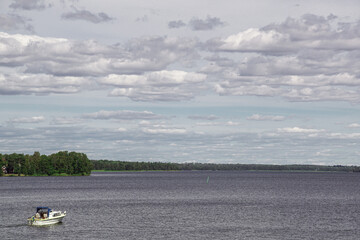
x=61, y=163
x=153, y=166
x=73, y=163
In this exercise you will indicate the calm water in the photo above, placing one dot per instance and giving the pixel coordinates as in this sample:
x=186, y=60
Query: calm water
x=182, y=205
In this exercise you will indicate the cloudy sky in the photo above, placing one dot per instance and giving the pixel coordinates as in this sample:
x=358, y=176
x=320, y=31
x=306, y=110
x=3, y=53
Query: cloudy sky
x=233, y=81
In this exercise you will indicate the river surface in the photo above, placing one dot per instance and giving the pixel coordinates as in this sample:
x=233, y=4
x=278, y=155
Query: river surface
x=185, y=205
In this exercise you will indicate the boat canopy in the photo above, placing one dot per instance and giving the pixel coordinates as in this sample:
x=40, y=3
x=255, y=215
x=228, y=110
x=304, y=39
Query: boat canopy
x=38, y=209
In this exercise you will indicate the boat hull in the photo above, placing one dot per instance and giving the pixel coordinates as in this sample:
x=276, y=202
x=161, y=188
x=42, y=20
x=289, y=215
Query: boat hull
x=46, y=221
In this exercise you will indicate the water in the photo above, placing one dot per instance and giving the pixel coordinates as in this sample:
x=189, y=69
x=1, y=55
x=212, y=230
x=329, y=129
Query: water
x=185, y=205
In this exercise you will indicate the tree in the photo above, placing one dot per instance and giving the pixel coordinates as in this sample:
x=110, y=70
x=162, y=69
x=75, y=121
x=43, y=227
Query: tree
x=2, y=164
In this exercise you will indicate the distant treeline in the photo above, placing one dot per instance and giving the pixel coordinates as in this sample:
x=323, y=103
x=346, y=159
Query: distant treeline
x=153, y=166
x=61, y=163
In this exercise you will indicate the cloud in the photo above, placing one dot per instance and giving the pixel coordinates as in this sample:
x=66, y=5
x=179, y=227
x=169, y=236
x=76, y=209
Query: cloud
x=255, y=40
x=144, y=18
x=86, y=16
x=163, y=85
x=354, y=125
x=197, y=24
x=200, y=117
x=58, y=65
x=176, y=24
x=209, y=23
x=162, y=142
x=221, y=124
x=293, y=35
x=344, y=136
x=40, y=84
x=279, y=63
x=65, y=121
x=305, y=59
x=164, y=130
x=10, y=22
x=36, y=119
x=299, y=130
x=258, y=117
x=63, y=57
x=260, y=90
x=29, y=4
x=122, y=115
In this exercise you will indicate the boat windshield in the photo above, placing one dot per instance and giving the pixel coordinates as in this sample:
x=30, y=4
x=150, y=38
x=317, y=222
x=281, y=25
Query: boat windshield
x=43, y=210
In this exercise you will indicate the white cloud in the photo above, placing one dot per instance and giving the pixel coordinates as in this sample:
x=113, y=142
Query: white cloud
x=40, y=84
x=57, y=65
x=231, y=123
x=157, y=78
x=65, y=121
x=296, y=60
x=344, y=135
x=164, y=130
x=257, y=90
x=58, y=56
x=122, y=115
x=201, y=117
x=156, y=86
x=255, y=40
x=258, y=117
x=36, y=119
x=354, y=125
x=121, y=129
x=310, y=31
x=221, y=124
x=299, y=130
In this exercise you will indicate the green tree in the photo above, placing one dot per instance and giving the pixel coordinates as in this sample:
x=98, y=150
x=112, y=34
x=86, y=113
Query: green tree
x=2, y=164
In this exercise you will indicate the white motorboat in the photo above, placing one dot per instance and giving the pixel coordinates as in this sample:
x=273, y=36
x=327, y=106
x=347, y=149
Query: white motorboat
x=46, y=216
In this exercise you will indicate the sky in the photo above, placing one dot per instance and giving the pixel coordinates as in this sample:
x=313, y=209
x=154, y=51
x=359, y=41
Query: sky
x=233, y=81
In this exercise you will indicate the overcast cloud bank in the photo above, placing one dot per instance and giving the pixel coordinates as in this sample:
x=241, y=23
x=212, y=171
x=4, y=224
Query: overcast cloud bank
x=210, y=89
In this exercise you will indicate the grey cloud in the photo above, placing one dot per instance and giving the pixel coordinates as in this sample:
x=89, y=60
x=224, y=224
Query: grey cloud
x=176, y=24
x=305, y=59
x=29, y=4
x=200, y=117
x=221, y=61
x=164, y=130
x=259, y=117
x=156, y=86
x=294, y=88
x=63, y=57
x=10, y=22
x=36, y=119
x=144, y=18
x=40, y=84
x=354, y=125
x=197, y=24
x=309, y=26
x=86, y=16
x=292, y=144
x=65, y=121
x=293, y=35
x=209, y=23
x=56, y=65
x=122, y=115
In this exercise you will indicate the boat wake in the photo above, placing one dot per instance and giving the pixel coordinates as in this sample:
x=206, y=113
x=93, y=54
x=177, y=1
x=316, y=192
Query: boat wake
x=12, y=225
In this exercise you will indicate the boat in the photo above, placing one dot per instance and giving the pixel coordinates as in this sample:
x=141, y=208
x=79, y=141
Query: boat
x=46, y=216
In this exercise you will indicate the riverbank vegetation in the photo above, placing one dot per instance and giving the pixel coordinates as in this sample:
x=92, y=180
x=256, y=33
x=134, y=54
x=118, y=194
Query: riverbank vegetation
x=154, y=166
x=57, y=164
x=66, y=163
